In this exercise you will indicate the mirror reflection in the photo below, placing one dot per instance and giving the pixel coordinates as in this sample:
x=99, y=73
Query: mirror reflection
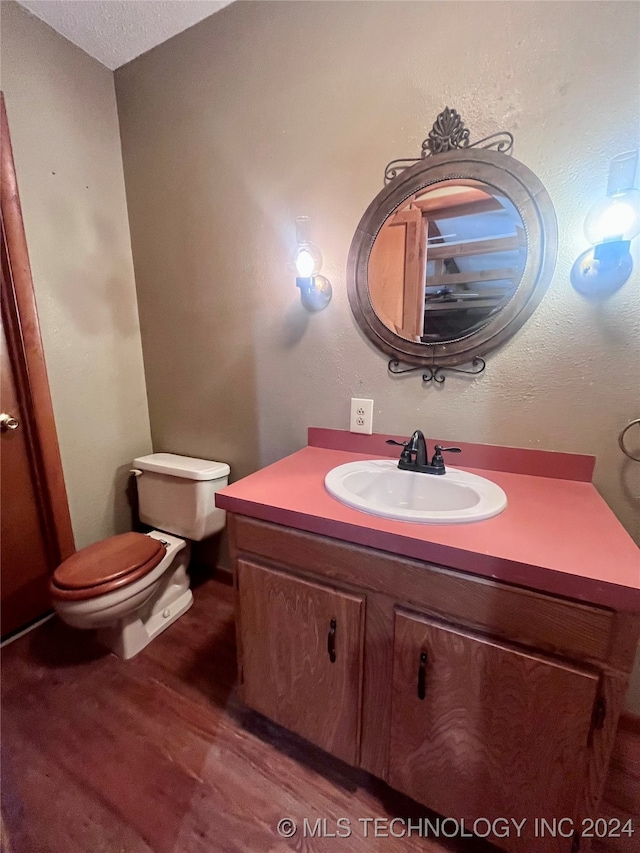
x=446, y=261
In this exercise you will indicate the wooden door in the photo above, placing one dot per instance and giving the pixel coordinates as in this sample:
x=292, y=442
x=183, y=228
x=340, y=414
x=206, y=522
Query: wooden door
x=35, y=525
x=397, y=270
x=386, y=274
x=23, y=549
x=498, y=733
x=301, y=656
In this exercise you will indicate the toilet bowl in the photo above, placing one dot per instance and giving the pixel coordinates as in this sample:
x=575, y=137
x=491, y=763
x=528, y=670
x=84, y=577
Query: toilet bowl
x=132, y=586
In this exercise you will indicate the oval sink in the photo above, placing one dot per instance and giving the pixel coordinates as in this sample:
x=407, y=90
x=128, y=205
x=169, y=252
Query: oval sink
x=379, y=487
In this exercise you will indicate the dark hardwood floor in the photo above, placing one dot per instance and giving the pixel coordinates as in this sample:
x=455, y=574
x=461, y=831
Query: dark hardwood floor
x=155, y=754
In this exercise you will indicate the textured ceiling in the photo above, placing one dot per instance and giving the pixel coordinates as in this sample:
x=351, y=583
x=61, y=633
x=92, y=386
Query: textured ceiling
x=116, y=31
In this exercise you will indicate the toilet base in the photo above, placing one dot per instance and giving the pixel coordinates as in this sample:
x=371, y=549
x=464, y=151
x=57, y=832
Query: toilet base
x=173, y=597
x=130, y=636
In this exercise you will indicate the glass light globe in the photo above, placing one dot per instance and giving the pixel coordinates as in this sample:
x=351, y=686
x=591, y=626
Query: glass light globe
x=614, y=218
x=308, y=260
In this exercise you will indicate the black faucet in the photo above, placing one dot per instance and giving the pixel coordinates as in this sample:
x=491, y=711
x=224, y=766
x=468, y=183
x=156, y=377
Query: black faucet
x=414, y=455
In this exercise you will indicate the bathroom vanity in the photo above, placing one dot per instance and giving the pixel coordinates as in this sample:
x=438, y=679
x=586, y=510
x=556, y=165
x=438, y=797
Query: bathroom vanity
x=479, y=668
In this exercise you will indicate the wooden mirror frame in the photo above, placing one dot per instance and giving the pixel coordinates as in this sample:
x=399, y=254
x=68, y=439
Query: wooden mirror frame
x=508, y=177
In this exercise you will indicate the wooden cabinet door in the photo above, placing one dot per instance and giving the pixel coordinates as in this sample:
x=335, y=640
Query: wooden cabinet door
x=301, y=656
x=500, y=732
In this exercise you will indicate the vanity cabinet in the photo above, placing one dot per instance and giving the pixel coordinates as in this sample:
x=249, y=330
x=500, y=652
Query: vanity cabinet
x=302, y=655
x=477, y=698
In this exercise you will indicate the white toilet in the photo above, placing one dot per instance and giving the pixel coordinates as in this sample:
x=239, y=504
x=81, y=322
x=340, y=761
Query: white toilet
x=133, y=586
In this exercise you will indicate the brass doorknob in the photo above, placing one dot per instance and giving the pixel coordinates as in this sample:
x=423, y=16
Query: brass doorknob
x=7, y=422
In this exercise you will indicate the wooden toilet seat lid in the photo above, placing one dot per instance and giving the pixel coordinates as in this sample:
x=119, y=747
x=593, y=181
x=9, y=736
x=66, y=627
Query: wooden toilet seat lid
x=109, y=564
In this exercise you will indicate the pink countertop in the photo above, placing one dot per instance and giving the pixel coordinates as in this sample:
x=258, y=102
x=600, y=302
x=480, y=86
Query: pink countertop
x=556, y=535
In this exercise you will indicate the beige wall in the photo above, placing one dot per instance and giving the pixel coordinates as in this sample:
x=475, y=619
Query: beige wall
x=64, y=129
x=270, y=110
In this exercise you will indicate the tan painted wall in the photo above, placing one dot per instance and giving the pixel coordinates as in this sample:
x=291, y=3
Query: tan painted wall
x=64, y=129
x=270, y=110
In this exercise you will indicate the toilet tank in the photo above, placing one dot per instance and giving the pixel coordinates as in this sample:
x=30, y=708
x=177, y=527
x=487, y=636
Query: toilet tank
x=177, y=494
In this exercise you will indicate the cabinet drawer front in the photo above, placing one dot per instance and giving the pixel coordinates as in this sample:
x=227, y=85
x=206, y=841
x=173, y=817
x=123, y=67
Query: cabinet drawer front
x=301, y=656
x=499, y=732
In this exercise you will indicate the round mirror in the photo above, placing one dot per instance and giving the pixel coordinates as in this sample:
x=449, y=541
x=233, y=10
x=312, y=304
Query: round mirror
x=452, y=257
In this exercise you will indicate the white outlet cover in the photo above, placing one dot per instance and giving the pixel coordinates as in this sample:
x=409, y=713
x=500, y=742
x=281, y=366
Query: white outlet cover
x=361, y=419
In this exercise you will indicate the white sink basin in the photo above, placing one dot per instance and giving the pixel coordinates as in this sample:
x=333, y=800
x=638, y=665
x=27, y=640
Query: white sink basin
x=379, y=487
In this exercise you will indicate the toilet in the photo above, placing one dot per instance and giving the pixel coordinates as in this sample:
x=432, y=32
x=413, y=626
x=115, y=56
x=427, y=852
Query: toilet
x=132, y=586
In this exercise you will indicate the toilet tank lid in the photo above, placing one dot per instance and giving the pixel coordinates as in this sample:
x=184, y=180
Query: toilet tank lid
x=182, y=466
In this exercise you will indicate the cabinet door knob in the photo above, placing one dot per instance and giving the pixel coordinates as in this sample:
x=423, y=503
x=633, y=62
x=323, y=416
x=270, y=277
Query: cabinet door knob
x=331, y=641
x=422, y=674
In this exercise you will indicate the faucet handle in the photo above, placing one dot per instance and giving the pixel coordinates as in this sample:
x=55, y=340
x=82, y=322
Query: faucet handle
x=438, y=461
x=407, y=449
x=398, y=443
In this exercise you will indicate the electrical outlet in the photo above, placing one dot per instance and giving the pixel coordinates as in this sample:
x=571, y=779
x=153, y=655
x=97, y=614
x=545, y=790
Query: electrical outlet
x=361, y=416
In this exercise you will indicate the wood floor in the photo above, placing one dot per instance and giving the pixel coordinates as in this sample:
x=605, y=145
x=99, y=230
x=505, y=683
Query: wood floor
x=154, y=754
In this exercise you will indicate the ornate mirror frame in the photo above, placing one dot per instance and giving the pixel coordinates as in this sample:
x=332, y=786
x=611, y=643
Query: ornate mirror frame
x=447, y=154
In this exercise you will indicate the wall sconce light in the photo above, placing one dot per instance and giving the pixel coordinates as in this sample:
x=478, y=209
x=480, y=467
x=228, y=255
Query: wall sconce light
x=315, y=290
x=610, y=226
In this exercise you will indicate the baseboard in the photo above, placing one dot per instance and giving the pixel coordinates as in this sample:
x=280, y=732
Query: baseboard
x=22, y=631
x=224, y=575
